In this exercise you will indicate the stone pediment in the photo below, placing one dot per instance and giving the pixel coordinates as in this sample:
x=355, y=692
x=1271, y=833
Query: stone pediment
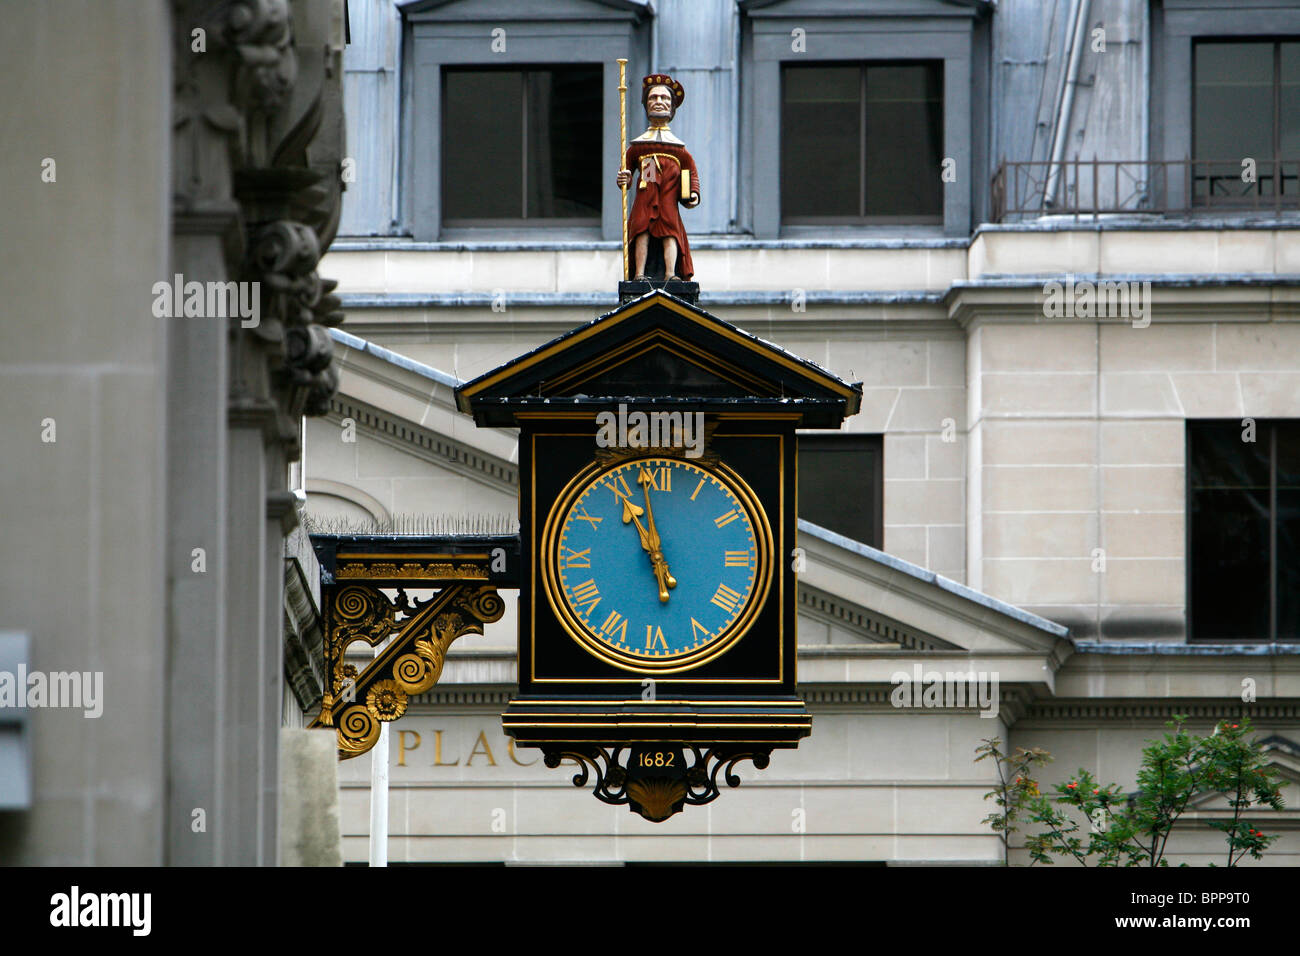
x=654, y=349
x=1283, y=757
x=948, y=614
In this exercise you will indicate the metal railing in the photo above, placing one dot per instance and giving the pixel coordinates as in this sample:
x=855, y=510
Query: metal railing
x=1101, y=187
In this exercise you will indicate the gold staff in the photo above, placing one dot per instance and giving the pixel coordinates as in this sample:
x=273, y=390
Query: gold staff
x=622, y=147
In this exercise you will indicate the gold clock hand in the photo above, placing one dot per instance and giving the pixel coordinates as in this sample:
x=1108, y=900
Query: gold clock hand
x=649, y=540
x=631, y=513
x=662, y=575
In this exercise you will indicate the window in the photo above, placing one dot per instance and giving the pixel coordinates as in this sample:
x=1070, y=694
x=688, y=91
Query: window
x=862, y=143
x=521, y=144
x=1246, y=103
x=509, y=117
x=1243, y=502
x=841, y=478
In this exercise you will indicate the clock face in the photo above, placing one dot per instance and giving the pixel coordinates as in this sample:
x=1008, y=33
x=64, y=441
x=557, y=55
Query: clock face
x=657, y=564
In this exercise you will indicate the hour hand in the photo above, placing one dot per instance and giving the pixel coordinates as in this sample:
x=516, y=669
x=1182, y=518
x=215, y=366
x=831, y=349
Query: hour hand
x=631, y=513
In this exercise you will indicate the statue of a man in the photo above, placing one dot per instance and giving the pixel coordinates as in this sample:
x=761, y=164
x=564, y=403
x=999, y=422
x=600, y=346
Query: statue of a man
x=667, y=176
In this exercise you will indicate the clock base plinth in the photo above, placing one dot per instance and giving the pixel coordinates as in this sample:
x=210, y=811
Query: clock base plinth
x=618, y=721
x=656, y=757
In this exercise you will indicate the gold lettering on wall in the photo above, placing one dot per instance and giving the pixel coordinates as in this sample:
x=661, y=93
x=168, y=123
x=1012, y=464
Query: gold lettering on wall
x=409, y=741
x=486, y=751
x=402, y=747
x=510, y=749
x=437, y=752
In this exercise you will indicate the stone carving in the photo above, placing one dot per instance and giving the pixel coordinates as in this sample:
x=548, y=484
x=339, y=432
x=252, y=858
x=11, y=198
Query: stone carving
x=258, y=141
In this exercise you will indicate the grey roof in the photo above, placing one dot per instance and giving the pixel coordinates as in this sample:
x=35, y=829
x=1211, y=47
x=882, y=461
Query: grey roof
x=450, y=300
x=916, y=571
x=388, y=355
x=1192, y=650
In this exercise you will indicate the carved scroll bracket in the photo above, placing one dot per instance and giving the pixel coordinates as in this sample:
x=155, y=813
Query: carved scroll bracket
x=357, y=703
x=654, y=780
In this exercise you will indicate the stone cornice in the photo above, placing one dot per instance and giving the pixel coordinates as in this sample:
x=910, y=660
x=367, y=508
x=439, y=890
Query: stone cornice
x=425, y=443
x=303, y=638
x=1174, y=299
x=872, y=627
x=1080, y=714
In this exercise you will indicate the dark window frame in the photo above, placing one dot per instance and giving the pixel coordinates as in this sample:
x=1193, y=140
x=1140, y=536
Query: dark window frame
x=957, y=34
x=1176, y=27
x=864, y=144
x=436, y=34
x=1266, y=430
x=524, y=221
x=1271, y=166
x=874, y=444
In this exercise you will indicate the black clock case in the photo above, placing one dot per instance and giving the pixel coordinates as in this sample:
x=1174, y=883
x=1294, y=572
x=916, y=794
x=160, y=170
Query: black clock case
x=552, y=662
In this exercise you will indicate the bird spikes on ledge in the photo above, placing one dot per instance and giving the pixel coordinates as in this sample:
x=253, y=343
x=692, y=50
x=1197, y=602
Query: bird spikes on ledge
x=415, y=524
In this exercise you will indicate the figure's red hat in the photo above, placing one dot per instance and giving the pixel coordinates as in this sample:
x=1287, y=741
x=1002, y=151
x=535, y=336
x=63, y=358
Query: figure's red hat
x=662, y=79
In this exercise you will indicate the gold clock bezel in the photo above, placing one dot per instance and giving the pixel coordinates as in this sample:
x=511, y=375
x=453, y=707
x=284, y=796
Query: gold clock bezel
x=582, y=633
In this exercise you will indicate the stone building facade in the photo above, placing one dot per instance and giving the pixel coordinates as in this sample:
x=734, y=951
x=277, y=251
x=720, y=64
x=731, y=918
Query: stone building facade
x=173, y=176
x=1036, y=479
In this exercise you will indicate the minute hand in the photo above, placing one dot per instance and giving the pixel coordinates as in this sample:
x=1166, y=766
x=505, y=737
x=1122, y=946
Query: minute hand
x=654, y=545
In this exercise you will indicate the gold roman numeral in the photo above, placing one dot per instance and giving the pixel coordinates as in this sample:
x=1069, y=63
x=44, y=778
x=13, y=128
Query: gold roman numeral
x=613, y=486
x=699, y=630
x=658, y=479
x=656, y=639
x=735, y=559
x=579, y=559
x=726, y=519
x=615, y=624
x=697, y=488
x=586, y=593
x=583, y=516
x=726, y=598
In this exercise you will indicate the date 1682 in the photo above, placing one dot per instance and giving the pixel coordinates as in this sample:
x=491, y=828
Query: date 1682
x=655, y=758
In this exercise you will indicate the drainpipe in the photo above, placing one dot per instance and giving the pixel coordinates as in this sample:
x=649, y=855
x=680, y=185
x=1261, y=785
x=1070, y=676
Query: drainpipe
x=1060, y=134
x=1146, y=99
x=734, y=225
x=654, y=39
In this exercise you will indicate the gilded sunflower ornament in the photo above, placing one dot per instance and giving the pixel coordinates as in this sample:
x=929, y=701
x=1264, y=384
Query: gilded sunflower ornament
x=386, y=700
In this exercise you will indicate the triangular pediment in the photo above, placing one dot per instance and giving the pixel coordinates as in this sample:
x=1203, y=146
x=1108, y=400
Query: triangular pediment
x=1282, y=756
x=942, y=613
x=659, y=348
x=653, y=362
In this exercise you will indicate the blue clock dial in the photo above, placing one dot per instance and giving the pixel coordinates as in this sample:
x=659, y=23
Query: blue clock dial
x=657, y=564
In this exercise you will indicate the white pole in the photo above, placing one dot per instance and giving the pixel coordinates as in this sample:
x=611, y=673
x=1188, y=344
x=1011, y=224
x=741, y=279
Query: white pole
x=379, y=792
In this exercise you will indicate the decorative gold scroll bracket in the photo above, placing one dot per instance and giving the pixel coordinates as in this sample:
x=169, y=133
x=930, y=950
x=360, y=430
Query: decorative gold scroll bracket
x=358, y=703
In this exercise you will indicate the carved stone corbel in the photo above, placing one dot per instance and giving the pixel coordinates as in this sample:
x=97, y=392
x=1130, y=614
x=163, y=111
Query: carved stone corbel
x=258, y=138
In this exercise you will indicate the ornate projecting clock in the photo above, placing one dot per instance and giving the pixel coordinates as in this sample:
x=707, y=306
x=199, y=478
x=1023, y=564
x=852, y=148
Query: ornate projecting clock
x=657, y=565
x=657, y=593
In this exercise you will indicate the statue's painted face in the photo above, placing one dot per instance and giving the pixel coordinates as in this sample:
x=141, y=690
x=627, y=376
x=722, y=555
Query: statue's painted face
x=659, y=103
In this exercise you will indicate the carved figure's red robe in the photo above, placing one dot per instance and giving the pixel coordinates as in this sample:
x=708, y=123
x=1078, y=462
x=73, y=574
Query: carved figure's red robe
x=657, y=189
